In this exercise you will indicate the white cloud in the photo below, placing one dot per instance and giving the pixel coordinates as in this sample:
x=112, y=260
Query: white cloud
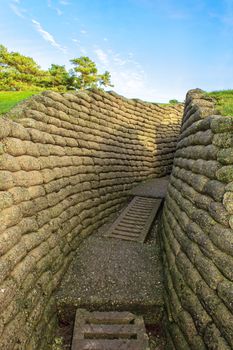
x=119, y=61
x=64, y=2
x=83, y=51
x=128, y=82
x=83, y=31
x=59, y=12
x=109, y=56
x=127, y=75
x=17, y=10
x=50, y=5
x=130, y=79
x=47, y=36
x=102, y=56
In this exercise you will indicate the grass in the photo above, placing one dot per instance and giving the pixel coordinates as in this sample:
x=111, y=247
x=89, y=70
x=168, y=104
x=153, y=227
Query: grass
x=8, y=99
x=224, y=101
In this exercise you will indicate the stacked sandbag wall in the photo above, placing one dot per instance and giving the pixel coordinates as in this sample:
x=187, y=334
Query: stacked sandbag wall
x=66, y=163
x=197, y=231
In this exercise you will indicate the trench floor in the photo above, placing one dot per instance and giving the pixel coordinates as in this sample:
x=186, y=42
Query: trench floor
x=154, y=188
x=111, y=274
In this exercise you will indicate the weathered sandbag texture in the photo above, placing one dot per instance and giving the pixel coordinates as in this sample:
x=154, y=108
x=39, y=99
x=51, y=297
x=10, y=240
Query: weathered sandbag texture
x=197, y=231
x=66, y=163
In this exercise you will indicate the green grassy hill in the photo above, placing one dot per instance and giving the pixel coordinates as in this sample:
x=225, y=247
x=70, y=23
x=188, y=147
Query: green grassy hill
x=224, y=101
x=8, y=99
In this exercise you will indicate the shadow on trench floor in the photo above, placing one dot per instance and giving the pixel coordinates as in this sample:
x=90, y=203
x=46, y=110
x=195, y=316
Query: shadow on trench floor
x=112, y=274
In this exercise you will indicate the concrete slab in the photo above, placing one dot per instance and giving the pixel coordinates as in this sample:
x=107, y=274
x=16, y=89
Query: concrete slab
x=110, y=274
x=155, y=188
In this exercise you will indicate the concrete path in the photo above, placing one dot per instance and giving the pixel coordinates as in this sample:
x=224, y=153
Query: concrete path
x=111, y=274
x=155, y=188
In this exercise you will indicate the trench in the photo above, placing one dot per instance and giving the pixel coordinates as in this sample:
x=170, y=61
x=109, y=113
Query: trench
x=67, y=164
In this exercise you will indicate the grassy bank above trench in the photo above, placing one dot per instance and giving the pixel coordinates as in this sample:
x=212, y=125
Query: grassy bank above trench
x=8, y=99
x=224, y=101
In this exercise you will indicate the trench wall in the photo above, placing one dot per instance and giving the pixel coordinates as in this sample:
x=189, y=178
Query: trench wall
x=197, y=231
x=66, y=163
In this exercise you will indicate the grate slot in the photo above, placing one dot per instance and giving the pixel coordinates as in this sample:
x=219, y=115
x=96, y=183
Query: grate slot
x=109, y=332
x=130, y=223
x=135, y=221
x=110, y=317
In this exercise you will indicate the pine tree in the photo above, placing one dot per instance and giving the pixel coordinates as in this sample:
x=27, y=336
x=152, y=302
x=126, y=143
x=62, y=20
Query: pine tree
x=85, y=74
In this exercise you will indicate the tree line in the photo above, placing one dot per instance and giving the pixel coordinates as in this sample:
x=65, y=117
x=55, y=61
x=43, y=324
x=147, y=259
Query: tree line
x=19, y=72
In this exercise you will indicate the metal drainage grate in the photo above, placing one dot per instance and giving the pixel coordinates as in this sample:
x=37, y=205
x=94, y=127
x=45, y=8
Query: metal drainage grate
x=109, y=331
x=135, y=221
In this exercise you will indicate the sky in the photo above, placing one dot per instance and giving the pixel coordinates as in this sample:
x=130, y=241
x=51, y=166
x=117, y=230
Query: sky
x=155, y=50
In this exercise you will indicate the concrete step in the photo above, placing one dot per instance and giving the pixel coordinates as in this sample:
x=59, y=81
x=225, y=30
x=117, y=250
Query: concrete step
x=109, y=331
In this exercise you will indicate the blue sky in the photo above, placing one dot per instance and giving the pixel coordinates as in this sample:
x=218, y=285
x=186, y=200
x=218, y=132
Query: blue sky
x=154, y=49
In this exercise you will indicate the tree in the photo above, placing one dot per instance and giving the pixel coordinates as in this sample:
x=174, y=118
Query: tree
x=60, y=78
x=105, y=79
x=18, y=72
x=173, y=102
x=85, y=74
